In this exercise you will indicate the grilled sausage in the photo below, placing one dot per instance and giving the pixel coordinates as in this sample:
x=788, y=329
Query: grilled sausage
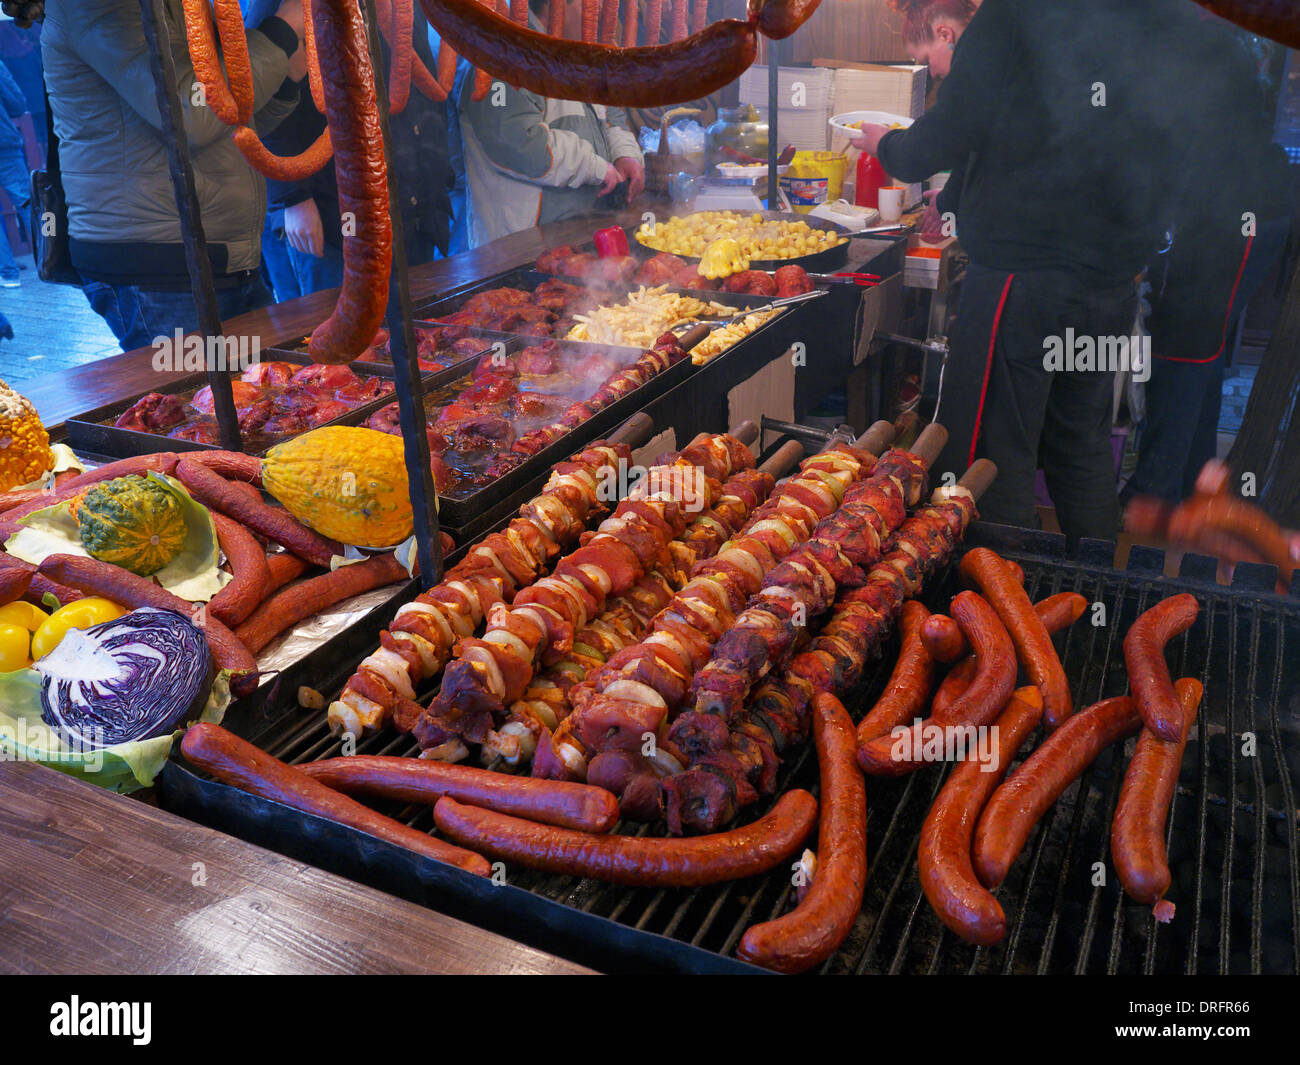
x=15, y=578
x=238, y=763
x=291, y=605
x=1148, y=673
x=595, y=73
x=638, y=862
x=251, y=575
x=215, y=492
x=1033, y=644
x=812, y=931
x=232, y=465
x=414, y=780
x=1137, y=834
x=780, y=18
x=942, y=638
x=1018, y=804
x=230, y=100
x=1056, y=611
x=353, y=117
x=910, y=685
x=995, y=663
x=944, y=855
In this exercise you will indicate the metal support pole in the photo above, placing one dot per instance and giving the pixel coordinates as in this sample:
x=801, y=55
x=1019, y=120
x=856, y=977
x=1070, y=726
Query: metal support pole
x=403, y=349
x=773, y=137
x=154, y=18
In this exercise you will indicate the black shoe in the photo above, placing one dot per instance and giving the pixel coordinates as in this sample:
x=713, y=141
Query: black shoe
x=6, y=330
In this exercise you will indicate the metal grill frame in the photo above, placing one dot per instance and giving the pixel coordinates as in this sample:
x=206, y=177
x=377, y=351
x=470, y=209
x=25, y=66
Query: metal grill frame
x=1228, y=823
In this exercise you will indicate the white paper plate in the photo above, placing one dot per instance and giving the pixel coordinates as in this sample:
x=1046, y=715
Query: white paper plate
x=847, y=122
x=740, y=170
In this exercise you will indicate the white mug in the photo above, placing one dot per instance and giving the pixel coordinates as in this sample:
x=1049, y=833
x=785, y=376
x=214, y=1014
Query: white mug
x=891, y=203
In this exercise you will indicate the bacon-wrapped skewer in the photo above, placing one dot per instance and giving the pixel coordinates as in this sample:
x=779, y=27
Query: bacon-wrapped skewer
x=732, y=759
x=418, y=643
x=846, y=541
x=631, y=696
x=545, y=703
x=492, y=673
x=710, y=793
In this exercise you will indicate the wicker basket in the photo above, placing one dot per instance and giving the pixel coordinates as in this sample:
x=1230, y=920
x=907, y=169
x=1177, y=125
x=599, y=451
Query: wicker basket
x=660, y=166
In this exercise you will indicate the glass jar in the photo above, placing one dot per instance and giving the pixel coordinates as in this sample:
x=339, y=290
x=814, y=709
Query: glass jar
x=739, y=130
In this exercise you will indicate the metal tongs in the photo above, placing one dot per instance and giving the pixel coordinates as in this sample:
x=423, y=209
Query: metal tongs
x=777, y=304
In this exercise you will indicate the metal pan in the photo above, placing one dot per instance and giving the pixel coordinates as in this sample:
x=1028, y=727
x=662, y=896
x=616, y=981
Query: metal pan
x=94, y=432
x=823, y=262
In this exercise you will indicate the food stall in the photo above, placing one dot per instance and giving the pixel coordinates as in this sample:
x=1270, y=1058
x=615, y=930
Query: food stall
x=495, y=600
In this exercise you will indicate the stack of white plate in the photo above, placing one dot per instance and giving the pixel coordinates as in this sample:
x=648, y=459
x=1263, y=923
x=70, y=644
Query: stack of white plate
x=803, y=103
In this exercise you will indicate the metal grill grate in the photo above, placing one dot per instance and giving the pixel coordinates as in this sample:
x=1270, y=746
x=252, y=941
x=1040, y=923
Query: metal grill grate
x=1233, y=845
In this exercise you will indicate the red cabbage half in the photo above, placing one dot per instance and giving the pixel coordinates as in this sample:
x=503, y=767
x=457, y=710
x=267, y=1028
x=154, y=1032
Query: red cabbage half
x=132, y=678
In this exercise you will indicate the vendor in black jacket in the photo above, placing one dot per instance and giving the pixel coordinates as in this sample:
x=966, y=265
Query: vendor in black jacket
x=1230, y=227
x=1062, y=126
x=305, y=214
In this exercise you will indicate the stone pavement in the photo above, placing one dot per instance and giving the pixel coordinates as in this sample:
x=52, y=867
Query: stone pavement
x=54, y=329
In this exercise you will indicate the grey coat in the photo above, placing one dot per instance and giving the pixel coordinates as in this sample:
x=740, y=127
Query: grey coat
x=121, y=208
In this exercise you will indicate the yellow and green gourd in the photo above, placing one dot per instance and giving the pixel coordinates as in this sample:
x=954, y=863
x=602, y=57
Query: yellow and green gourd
x=346, y=482
x=131, y=522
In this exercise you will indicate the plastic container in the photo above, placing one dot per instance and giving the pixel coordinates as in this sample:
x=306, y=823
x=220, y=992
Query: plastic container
x=814, y=178
x=871, y=178
x=738, y=136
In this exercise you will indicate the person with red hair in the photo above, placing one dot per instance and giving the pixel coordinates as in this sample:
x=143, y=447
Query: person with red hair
x=932, y=28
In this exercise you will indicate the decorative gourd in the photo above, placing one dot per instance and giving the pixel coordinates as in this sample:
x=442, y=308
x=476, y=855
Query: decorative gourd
x=346, y=482
x=131, y=522
x=24, y=444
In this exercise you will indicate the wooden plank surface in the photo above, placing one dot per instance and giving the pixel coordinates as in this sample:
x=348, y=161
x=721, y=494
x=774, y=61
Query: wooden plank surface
x=128, y=375
x=92, y=882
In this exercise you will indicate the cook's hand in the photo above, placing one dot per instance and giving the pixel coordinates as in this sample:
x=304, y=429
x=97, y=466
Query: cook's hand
x=868, y=138
x=612, y=178
x=303, y=229
x=631, y=169
x=932, y=221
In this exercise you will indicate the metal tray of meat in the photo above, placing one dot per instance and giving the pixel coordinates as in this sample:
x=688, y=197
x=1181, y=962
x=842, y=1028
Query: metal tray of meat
x=1232, y=837
x=470, y=509
x=525, y=279
x=376, y=358
x=818, y=263
x=473, y=512
x=95, y=432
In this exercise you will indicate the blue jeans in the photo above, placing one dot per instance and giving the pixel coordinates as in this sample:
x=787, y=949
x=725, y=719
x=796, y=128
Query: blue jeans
x=315, y=273
x=16, y=181
x=137, y=316
x=279, y=267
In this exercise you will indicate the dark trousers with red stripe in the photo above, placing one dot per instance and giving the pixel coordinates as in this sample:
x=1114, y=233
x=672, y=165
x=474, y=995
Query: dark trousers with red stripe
x=1000, y=401
x=1198, y=297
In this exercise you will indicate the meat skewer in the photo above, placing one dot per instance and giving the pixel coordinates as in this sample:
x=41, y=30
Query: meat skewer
x=723, y=780
x=490, y=674
x=794, y=593
x=545, y=703
x=418, y=642
x=638, y=687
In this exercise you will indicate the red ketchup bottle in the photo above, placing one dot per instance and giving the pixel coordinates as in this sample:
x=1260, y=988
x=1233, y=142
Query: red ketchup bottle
x=871, y=177
x=611, y=243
